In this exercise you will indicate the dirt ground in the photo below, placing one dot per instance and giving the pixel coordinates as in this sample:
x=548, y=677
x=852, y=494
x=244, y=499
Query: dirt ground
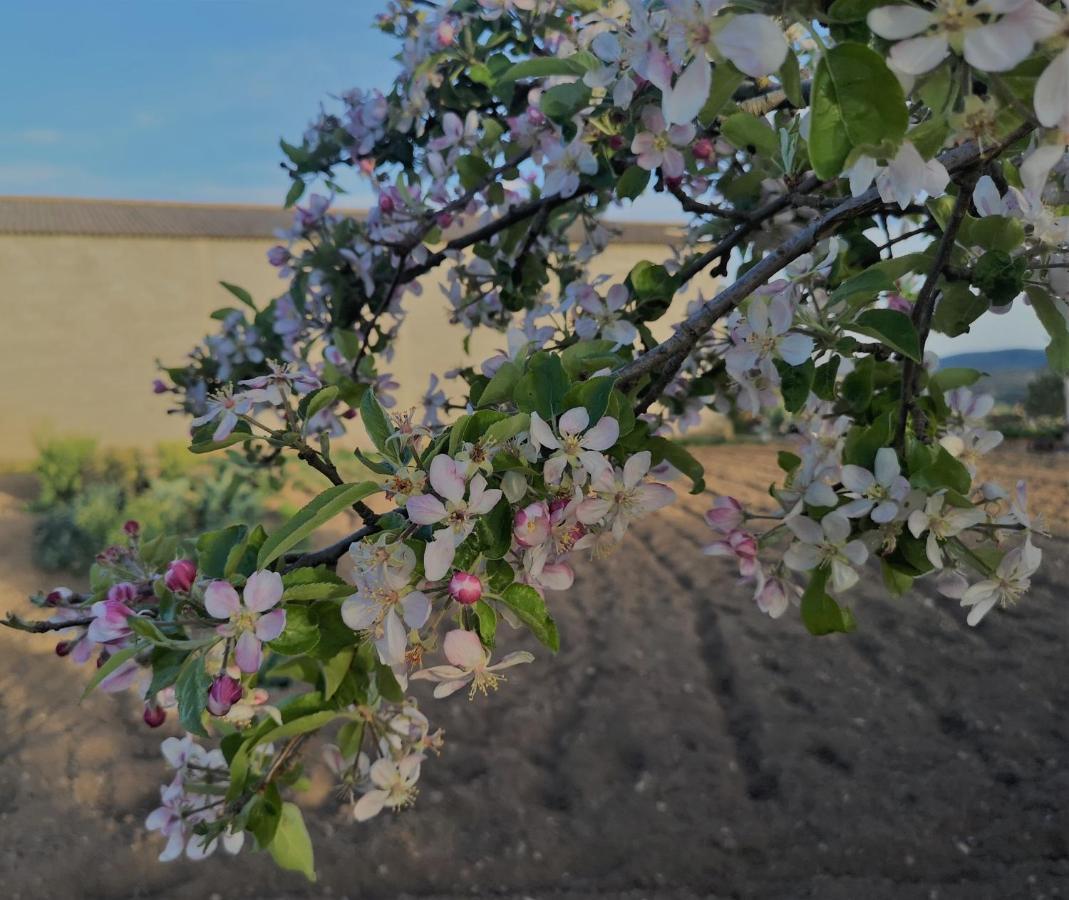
x=681, y=746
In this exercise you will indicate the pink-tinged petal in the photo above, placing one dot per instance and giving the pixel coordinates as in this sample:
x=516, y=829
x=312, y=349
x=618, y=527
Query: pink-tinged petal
x=673, y=164
x=682, y=102
x=795, y=349
x=556, y=577
x=554, y=469
x=447, y=478
x=370, y=805
x=754, y=43
x=463, y=649
x=897, y=22
x=658, y=71
x=425, y=509
x=484, y=501
x=248, y=653
x=271, y=625
x=122, y=678
x=438, y=556
x=592, y=511
x=439, y=673
x=603, y=435
x=919, y=55
x=262, y=591
x=654, y=496
x=757, y=316
x=450, y=687
x=574, y=421
x=541, y=434
x=636, y=468
x=416, y=607
x=175, y=844
x=602, y=475
x=221, y=600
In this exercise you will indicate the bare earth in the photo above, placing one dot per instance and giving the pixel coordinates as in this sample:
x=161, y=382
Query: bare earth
x=681, y=746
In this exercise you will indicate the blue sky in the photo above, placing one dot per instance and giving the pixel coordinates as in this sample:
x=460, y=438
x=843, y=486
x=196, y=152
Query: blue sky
x=186, y=100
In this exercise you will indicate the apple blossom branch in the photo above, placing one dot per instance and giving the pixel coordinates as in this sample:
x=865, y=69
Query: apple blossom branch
x=693, y=328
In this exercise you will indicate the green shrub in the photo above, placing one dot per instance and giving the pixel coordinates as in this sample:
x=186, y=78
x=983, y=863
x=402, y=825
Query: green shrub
x=62, y=466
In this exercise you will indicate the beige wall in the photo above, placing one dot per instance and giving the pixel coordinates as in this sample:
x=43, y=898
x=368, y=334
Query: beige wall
x=83, y=320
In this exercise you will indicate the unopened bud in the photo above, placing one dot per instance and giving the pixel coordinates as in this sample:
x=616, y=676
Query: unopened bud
x=181, y=573
x=702, y=149
x=63, y=648
x=132, y=527
x=154, y=715
x=223, y=694
x=465, y=588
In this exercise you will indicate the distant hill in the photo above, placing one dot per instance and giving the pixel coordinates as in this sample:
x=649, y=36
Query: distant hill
x=992, y=361
x=1008, y=371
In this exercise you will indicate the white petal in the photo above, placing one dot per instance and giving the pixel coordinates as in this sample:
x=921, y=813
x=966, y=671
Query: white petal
x=919, y=55
x=603, y=435
x=897, y=22
x=541, y=434
x=447, y=478
x=806, y=529
x=683, y=101
x=836, y=527
x=754, y=43
x=998, y=47
x=574, y=421
x=438, y=556
x=857, y=479
x=887, y=467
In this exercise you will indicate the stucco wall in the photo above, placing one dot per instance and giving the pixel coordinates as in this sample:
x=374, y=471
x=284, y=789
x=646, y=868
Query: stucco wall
x=84, y=318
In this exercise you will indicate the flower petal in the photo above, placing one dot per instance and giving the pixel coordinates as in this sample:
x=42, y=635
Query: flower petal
x=221, y=600
x=271, y=625
x=248, y=653
x=463, y=649
x=262, y=591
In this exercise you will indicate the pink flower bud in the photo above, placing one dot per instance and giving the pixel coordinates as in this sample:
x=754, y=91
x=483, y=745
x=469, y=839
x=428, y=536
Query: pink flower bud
x=59, y=596
x=703, y=148
x=181, y=573
x=386, y=203
x=154, y=715
x=63, y=648
x=673, y=183
x=278, y=256
x=444, y=219
x=223, y=694
x=617, y=142
x=158, y=387
x=367, y=165
x=123, y=592
x=725, y=516
x=465, y=588
x=132, y=528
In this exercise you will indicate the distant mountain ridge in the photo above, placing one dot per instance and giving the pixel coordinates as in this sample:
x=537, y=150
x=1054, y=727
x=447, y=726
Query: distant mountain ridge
x=991, y=361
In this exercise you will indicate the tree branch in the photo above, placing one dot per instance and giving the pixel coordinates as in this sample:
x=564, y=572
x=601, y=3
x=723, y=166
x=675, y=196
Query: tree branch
x=924, y=307
x=331, y=554
x=691, y=330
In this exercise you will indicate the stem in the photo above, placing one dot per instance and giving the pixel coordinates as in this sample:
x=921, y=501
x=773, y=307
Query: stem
x=924, y=308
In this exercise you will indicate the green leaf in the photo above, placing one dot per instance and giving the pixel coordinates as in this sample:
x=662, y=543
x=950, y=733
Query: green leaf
x=301, y=633
x=957, y=309
x=820, y=613
x=243, y=295
x=203, y=442
x=857, y=386
x=335, y=669
x=501, y=386
x=632, y=183
x=472, y=171
x=486, y=620
x=376, y=422
x=294, y=193
x=852, y=10
x=214, y=547
x=999, y=276
x=824, y=378
x=191, y=692
x=318, y=400
x=530, y=609
x=856, y=103
x=725, y=79
x=862, y=289
x=299, y=725
x=317, y=513
x=745, y=131
x=499, y=575
x=891, y=328
x=562, y=102
x=542, y=67
x=1053, y=320
x=291, y=847
x=795, y=383
x=504, y=429
x=943, y=472
x=494, y=530
x=790, y=77
x=593, y=394
x=947, y=379
x=543, y=388
x=111, y=664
